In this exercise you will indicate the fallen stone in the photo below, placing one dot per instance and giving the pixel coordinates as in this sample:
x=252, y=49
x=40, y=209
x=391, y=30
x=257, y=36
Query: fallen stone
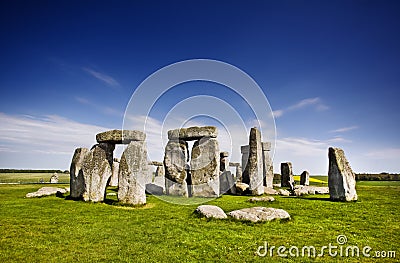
x=46, y=191
x=341, y=178
x=133, y=174
x=283, y=192
x=193, y=133
x=270, y=191
x=76, y=179
x=120, y=136
x=242, y=188
x=210, y=211
x=312, y=190
x=204, y=168
x=301, y=191
x=261, y=199
x=259, y=214
x=154, y=189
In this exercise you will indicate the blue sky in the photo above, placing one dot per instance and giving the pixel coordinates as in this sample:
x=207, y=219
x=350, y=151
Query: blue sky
x=330, y=71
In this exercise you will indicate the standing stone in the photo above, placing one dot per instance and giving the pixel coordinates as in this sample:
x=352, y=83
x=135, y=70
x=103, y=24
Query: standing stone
x=77, y=182
x=239, y=173
x=204, y=167
x=341, y=178
x=109, y=150
x=160, y=171
x=54, y=179
x=115, y=171
x=305, y=178
x=96, y=173
x=133, y=173
x=227, y=183
x=176, y=155
x=253, y=173
x=287, y=175
x=268, y=170
x=245, y=157
x=224, y=161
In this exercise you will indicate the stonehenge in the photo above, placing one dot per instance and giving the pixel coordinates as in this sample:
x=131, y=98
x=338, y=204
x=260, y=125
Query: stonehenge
x=202, y=171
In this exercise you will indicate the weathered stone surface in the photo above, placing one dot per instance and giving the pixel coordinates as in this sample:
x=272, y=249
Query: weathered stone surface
x=154, y=189
x=120, y=136
x=96, y=173
x=268, y=170
x=109, y=149
x=204, y=168
x=176, y=155
x=234, y=164
x=224, y=161
x=244, y=150
x=259, y=214
x=238, y=173
x=266, y=146
x=261, y=199
x=287, y=175
x=133, y=174
x=210, y=211
x=46, y=191
x=305, y=178
x=155, y=163
x=253, y=172
x=76, y=180
x=341, y=178
x=54, y=179
x=227, y=183
x=160, y=171
x=114, y=176
x=300, y=191
x=242, y=188
x=312, y=190
x=193, y=133
x=270, y=191
x=283, y=192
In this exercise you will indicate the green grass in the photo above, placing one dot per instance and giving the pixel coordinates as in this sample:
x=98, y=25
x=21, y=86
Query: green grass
x=31, y=177
x=54, y=229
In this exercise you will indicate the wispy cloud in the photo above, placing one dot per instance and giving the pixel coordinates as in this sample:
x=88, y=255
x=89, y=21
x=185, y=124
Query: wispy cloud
x=103, y=109
x=110, y=81
x=386, y=153
x=309, y=102
x=344, y=129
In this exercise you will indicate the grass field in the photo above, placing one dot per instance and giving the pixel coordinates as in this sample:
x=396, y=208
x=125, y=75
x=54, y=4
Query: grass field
x=31, y=177
x=55, y=229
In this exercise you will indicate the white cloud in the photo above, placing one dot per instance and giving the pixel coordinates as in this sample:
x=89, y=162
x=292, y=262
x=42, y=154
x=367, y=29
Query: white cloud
x=345, y=129
x=316, y=102
x=102, y=77
x=50, y=134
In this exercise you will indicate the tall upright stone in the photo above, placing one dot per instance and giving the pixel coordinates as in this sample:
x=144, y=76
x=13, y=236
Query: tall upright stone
x=175, y=158
x=96, y=173
x=77, y=182
x=115, y=171
x=253, y=172
x=341, y=178
x=305, y=178
x=224, y=161
x=287, y=179
x=268, y=169
x=244, y=150
x=204, y=167
x=133, y=174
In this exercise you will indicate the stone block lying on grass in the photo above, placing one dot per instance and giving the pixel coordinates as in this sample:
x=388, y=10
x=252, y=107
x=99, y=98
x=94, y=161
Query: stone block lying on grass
x=261, y=199
x=46, y=191
x=259, y=214
x=210, y=211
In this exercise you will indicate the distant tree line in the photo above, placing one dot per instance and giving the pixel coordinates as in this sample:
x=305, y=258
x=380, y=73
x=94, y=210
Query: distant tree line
x=378, y=177
x=31, y=171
